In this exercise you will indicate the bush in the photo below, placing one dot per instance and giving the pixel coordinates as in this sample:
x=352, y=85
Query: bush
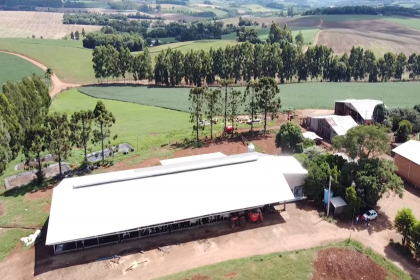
x=404, y=130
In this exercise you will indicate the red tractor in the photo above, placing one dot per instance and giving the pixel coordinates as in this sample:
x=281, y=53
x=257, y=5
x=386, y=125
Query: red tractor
x=237, y=219
x=256, y=216
x=229, y=129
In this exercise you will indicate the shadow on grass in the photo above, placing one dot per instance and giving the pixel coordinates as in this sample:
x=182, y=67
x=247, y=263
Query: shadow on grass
x=45, y=260
x=32, y=186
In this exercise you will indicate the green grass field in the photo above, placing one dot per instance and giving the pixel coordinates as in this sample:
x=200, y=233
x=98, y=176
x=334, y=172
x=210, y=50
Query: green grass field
x=291, y=265
x=14, y=68
x=293, y=96
x=69, y=60
x=218, y=12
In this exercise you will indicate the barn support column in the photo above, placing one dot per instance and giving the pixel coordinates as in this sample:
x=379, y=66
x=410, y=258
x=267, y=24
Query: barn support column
x=284, y=206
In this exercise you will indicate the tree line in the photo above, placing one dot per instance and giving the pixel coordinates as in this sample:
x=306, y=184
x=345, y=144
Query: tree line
x=87, y=18
x=364, y=10
x=207, y=103
x=279, y=59
x=23, y=105
x=134, y=42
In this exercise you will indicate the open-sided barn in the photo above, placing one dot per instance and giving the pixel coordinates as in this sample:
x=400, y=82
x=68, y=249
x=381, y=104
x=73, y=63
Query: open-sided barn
x=360, y=110
x=109, y=208
x=330, y=126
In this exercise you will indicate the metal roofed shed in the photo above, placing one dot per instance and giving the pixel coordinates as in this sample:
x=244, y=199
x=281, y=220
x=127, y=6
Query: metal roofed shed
x=107, y=208
x=361, y=110
x=339, y=205
x=331, y=125
x=407, y=159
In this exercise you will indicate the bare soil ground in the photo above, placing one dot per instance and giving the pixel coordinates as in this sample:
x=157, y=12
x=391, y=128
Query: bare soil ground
x=57, y=85
x=378, y=35
x=344, y=264
x=17, y=24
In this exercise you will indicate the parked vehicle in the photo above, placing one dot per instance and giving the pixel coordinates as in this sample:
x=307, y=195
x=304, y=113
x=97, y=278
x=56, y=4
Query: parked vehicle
x=370, y=215
x=255, y=216
x=237, y=219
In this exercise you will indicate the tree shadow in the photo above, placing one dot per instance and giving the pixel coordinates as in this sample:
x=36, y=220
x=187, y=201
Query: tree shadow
x=409, y=264
x=45, y=260
x=32, y=186
x=382, y=223
x=308, y=205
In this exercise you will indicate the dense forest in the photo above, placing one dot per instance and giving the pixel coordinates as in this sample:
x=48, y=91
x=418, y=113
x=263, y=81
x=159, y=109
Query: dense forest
x=92, y=18
x=364, y=10
x=23, y=105
x=279, y=58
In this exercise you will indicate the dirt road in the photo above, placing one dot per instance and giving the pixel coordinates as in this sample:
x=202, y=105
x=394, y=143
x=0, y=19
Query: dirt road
x=57, y=84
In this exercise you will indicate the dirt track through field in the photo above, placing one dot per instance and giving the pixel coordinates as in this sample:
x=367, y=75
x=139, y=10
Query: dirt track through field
x=57, y=84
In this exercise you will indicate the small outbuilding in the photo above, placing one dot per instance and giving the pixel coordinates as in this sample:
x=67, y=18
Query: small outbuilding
x=407, y=159
x=338, y=205
x=330, y=126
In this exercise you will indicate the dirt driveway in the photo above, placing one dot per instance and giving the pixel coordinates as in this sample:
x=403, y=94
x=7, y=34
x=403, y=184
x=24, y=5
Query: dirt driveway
x=296, y=228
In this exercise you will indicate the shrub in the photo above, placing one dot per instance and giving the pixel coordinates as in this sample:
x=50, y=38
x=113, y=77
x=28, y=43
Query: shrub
x=404, y=130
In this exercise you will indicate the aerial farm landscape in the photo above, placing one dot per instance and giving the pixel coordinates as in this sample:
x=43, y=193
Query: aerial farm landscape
x=209, y=139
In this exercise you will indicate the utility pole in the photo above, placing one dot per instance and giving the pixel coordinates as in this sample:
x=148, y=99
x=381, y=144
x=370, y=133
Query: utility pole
x=137, y=142
x=329, y=195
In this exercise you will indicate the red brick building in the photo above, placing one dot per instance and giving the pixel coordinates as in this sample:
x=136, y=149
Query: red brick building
x=407, y=159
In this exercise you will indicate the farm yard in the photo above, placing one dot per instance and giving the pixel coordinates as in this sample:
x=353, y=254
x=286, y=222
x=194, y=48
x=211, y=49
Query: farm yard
x=155, y=121
x=293, y=96
x=15, y=68
x=48, y=25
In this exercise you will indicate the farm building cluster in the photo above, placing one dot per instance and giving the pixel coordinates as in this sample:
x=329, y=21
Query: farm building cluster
x=347, y=114
x=182, y=193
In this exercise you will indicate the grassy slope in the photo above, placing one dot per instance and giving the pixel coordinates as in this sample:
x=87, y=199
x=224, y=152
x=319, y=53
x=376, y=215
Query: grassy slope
x=69, y=60
x=15, y=68
x=293, y=96
x=292, y=265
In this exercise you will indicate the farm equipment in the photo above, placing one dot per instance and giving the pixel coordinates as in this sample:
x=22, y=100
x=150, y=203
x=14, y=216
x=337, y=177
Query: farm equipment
x=237, y=219
x=229, y=128
x=255, y=216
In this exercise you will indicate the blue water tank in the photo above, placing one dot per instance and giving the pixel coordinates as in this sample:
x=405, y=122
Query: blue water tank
x=326, y=195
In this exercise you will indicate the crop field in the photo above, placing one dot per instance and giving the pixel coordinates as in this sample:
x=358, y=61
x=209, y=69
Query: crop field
x=293, y=96
x=69, y=60
x=350, y=260
x=15, y=68
x=380, y=36
x=17, y=24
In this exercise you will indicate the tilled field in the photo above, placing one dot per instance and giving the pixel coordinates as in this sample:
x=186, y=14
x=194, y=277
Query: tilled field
x=17, y=24
x=344, y=264
x=378, y=35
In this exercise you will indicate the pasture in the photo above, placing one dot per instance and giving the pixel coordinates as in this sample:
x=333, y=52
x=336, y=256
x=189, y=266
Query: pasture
x=19, y=24
x=14, y=68
x=69, y=60
x=293, y=96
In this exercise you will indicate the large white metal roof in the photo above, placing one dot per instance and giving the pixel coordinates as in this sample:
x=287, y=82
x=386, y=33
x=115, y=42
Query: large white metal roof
x=410, y=150
x=340, y=124
x=191, y=158
x=102, y=204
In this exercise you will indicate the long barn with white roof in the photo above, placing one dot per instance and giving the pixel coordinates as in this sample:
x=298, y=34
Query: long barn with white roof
x=108, y=208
